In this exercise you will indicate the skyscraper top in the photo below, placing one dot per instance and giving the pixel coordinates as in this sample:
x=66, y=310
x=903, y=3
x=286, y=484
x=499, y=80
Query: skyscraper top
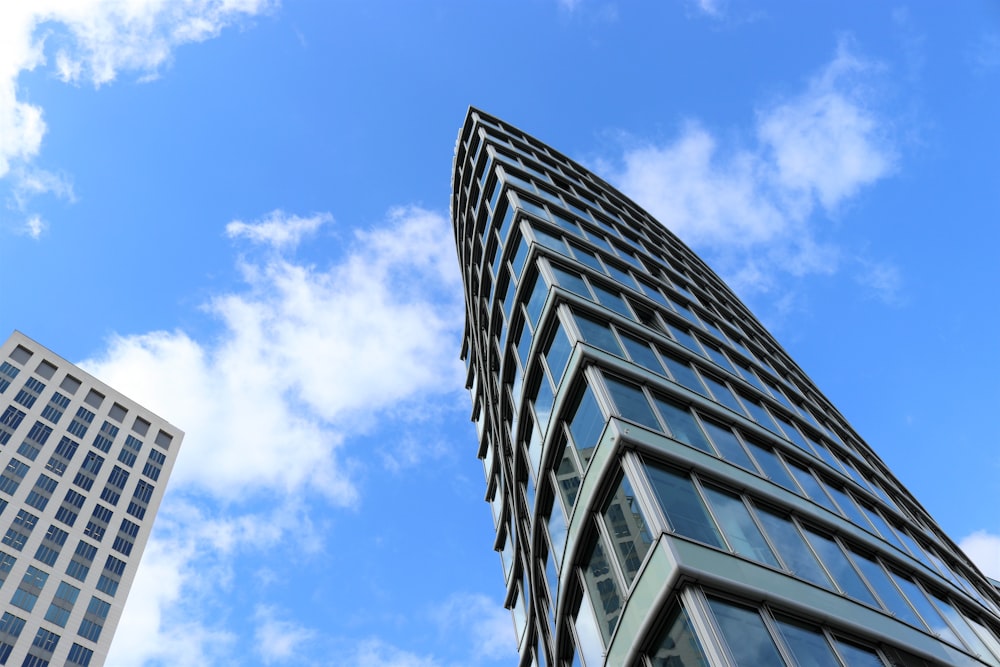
x=667, y=485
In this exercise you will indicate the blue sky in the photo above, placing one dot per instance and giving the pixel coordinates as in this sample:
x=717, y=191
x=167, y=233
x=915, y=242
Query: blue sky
x=235, y=211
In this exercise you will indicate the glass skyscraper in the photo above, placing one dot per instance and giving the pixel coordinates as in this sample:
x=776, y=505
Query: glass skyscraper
x=82, y=473
x=668, y=487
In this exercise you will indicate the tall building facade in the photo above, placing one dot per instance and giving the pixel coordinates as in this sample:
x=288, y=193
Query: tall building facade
x=82, y=472
x=668, y=487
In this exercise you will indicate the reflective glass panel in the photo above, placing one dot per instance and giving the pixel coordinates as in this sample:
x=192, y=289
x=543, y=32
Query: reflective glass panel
x=729, y=445
x=749, y=641
x=723, y=395
x=602, y=585
x=793, y=549
x=738, y=526
x=682, y=373
x=924, y=607
x=678, y=646
x=682, y=424
x=858, y=656
x=811, y=486
x=628, y=529
x=772, y=466
x=598, y=334
x=682, y=506
x=586, y=425
x=631, y=402
x=640, y=353
x=840, y=567
x=892, y=599
x=807, y=643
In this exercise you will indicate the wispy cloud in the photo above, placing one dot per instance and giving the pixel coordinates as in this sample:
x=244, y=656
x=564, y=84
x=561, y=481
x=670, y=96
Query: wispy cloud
x=305, y=358
x=487, y=625
x=278, y=640
x=91, y=41
x=983, y=547
x=278, y=229
x=755, y=209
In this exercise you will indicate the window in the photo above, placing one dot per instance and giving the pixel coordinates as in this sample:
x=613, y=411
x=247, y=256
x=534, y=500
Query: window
x=586, y=424
x=631, y=402
x=627, y=526
x=682, y=424
x=739, y=527
x=682, y=506
x=792, y=548
x=745, y=633
x=678, y=646
x=62, y=604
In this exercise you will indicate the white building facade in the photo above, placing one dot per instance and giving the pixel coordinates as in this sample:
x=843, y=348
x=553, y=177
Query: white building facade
x=82, y=473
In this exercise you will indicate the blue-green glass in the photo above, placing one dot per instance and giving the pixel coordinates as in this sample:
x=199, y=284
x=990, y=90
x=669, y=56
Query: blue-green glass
x=682, y=424
x=749, y=641
x=682, y=373
x=678, y=646
x=806, y=643
x=729, y=445
x=626, y=524
x=612, y=300
x=792, y=548
x=571, y=281
x=892, y=600
x=858, y=656
x=723, y=395
x=631, y=402
x=682, y=506
x=586, y=424
x=640, y=353
x=557, y=354
x=924, y=607
x=839, y=567
x=811, y=487
x=738, y=526
x=598, y=334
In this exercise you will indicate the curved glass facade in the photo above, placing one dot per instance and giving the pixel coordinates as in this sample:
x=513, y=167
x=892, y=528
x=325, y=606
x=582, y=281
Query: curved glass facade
x=668, y=487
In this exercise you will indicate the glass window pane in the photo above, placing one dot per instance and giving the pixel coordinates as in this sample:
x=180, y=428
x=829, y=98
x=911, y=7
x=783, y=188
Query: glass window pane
x=729, y=445
x=772, y=466
x=840, y=567
x=682, y=506
x=811, y=486
x=568, y=475
x=631, y=402
x=847, y=506
x=793, y=549
x=807, y=643
x=686, y=339
x=892, y=599
x=598, y=334
x=586, y=425
x=924, y=607
x=588, y=635
x=743, y=629
x=958, y=623
x=682, y=373
x=760, y=415
x=678, y=646
x=739, y=527
x=612, y=300
x=628, y=529
x=557, y=354
x=858, y=656
x=640, y=353
x=602, y=586
x=682, y=424
x=572, y=281
x=723, y=395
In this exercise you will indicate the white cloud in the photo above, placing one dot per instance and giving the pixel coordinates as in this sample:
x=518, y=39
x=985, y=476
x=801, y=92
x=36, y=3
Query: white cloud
x=304, y=356
x=483, y=621
x=983, y=548
x=278, y=229
x=92, y=41
x=753, y=208
x=278, y=640
x=883, y=279
x=34, y=226
x=377, y=653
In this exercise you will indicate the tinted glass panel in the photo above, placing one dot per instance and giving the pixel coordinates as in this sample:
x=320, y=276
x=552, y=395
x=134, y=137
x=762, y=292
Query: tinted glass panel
x=739, y=527
x=744, y=631
x=840, y=567
x=682, y=506
x=729, y=445
x=807, y=644
x=678, y=646
x=682, y=424
x=632, y=402
x=793, y=549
